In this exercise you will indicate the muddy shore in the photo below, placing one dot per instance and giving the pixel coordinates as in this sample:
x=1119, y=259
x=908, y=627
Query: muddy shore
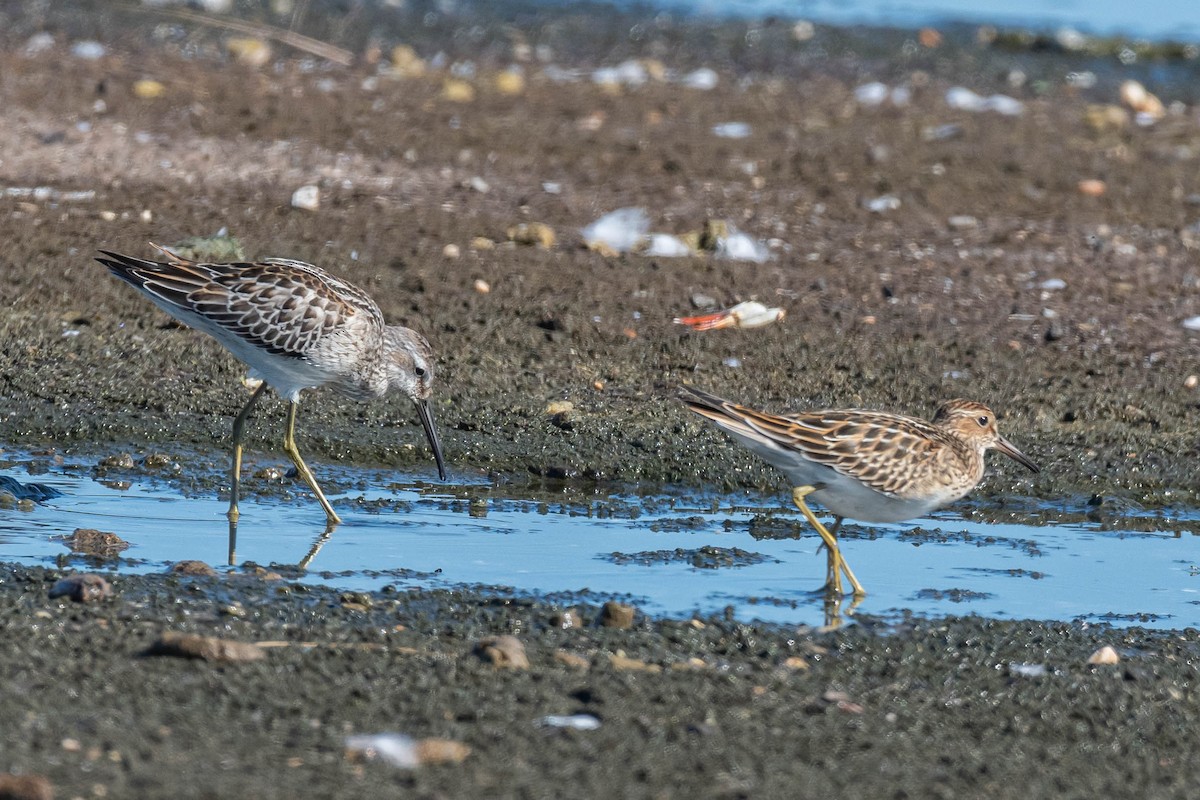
x=944, y=295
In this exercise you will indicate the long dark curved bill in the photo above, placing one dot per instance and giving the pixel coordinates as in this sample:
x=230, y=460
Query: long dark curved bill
x=435, y=444
x=1006, y=447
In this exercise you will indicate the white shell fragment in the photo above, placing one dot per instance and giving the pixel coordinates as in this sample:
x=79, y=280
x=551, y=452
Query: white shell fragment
x=307, y=197
x=393, y=748
x=731, y=130
x=619, y=230
x=703, y=79
x=664, y=245
x=741, y=247
x=964, y=99
x=749, y=314
x=574, y=722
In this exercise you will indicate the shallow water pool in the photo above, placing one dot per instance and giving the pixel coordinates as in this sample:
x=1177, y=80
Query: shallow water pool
x=673, y=553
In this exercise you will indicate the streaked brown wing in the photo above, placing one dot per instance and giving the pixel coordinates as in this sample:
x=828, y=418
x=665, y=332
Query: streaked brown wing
x=860, y=444
x=283, y=307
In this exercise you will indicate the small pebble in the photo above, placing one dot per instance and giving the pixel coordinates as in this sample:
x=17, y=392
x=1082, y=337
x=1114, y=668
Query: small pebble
x=1105, y=655
x=25, y=787
x=148, y=89
x=503, y=651
x=192, y=567
x=88, y=50
x=451, y=251
x=307, y=197
x=616, y=615
x=205, y=648
x=573, y=660
x=481, y=286
x=82, y=588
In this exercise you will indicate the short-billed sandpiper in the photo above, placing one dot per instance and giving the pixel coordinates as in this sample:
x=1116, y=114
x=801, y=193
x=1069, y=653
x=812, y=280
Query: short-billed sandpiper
x=297, y=327
x=866, y=465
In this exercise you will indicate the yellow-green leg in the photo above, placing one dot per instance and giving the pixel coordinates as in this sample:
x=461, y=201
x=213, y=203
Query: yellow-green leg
x=836, y=565
x=289, y=447
x=235, y=477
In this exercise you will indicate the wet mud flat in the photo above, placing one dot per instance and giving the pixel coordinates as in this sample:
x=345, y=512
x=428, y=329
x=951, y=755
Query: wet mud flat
x=711, y=708
x=994, y=277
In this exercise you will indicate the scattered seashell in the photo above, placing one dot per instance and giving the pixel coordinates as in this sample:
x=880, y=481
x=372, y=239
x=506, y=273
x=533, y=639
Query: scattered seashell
x=574, y=722
x=451, y=251
x=457, y=90
x=1026, y=670
x=532, y=233
x=406, y=63
x=89, y=50
x=148, y=89
x=1105, y=655
x=1053, y=284
x=248, y=50
x=38, y=43
x=962, y=222
x=627, y=73
x=482, y=243
x=929, y=37
x=749, y=314
x=871, y=94
x=1146, y=106
x=619, y=230
x=803, y=30
x=664, y=245
x=481, y=286
x=741, y=247
x=1191, y=381
x=510, y=82
x=1092, y=187
x=703, y=79
x=307, y=197
x=963, y=99
x=731, y=130
x=404, y=752
x=879, y=205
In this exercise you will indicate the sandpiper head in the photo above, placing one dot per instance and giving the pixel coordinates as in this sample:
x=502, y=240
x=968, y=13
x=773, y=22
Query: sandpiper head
x=975, y=424
x=410, y=370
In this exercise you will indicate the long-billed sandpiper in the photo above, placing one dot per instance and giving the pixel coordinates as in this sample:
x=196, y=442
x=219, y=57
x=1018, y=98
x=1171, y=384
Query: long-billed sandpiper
x=866, y=465
x=297, y=327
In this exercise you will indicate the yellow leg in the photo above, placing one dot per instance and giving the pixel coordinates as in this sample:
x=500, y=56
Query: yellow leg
x=235, y=477
x=836, y=564
x=289, y=447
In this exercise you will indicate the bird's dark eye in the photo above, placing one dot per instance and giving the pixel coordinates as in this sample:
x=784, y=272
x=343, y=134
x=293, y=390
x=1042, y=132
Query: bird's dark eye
x=420, y=372
x=983, y=421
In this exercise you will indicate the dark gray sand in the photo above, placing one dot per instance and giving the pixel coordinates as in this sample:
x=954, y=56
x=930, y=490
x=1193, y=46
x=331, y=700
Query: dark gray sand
x=896, y=310
x=705, y=708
